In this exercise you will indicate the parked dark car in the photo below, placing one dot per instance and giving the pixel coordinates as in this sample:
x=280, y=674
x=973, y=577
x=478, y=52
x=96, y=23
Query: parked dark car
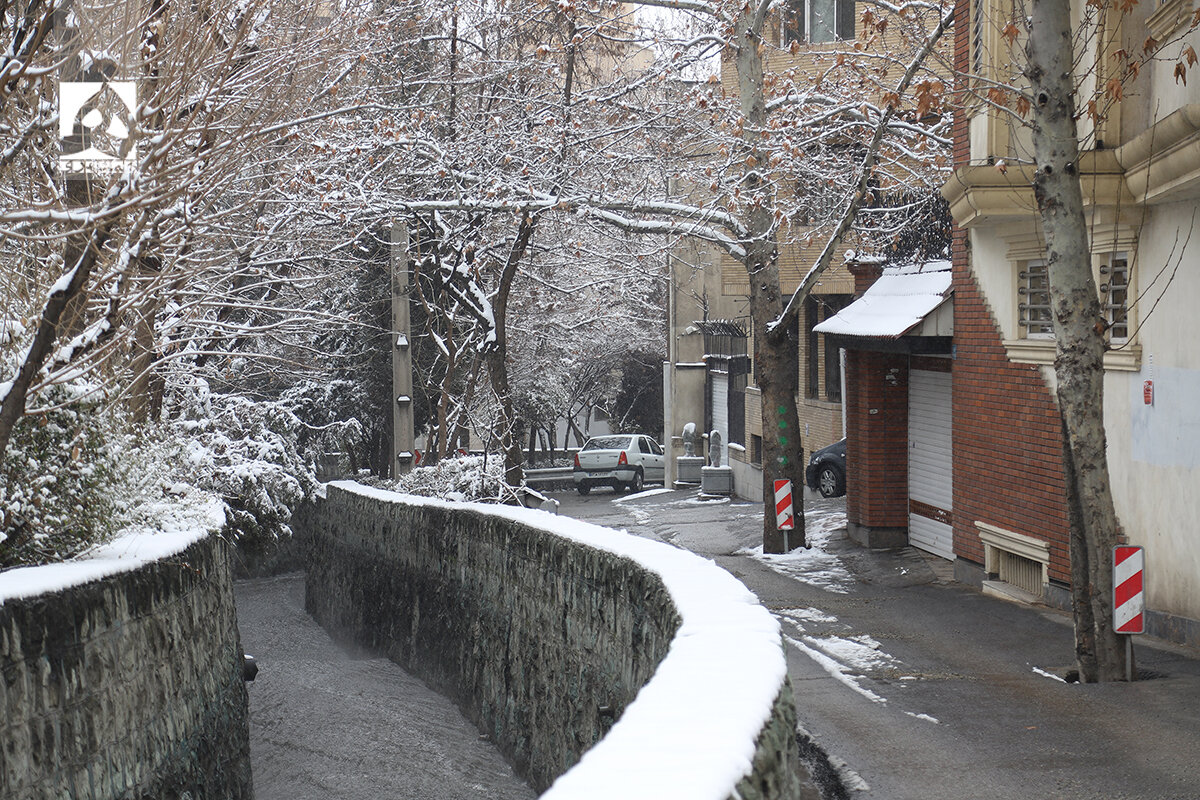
x=826, y=470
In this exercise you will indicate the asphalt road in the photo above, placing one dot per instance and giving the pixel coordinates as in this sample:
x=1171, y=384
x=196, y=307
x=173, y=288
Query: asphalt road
x=927, y=689
x=326, y=724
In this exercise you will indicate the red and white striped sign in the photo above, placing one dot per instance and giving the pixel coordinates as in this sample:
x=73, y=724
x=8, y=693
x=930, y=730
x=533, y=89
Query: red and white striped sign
x=1128, y=598
x=784, y=519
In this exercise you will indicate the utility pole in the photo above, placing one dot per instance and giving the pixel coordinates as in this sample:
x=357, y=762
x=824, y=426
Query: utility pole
x=402, y=376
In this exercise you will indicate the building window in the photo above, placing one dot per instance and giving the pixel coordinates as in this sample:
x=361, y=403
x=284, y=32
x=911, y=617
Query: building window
x=1033, y=300
x=977, y=33
x=823, y=361
x=817, y=21
x=833, y=373
x=1114, y=294
x=756, y=449
x=812, y=343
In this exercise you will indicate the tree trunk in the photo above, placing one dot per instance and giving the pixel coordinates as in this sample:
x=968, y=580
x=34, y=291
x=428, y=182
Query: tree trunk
x=775, y=351
x=13, y=406
x=1079, y=333
x=497, y=355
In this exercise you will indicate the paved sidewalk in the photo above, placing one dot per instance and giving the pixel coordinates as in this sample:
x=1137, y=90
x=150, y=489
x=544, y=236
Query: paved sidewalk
x=926, y=689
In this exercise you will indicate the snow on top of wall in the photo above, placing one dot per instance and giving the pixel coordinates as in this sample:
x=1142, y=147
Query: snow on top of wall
x=894, y=304
x=177, y=524
x=691, y=731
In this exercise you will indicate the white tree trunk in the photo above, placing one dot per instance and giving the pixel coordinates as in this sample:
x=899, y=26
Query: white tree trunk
x=1079, y=332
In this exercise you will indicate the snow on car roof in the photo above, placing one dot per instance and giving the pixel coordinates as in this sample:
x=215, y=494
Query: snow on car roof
x=608, y=442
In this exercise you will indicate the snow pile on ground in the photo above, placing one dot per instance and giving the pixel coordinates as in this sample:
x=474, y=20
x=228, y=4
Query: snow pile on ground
x=641, y=495
x=852, y=659
x=165, y=527
x=691, y=731
x=815, y=566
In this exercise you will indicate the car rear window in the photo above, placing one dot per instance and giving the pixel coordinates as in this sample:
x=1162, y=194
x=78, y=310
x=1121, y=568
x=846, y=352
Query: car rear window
x=607, y=443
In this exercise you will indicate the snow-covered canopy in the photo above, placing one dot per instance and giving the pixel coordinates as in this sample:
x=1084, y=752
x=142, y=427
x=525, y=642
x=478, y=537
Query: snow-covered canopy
x=895, y=304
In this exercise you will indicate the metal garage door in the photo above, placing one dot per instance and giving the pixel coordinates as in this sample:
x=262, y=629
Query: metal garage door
x=719, y=403
x=930, y=463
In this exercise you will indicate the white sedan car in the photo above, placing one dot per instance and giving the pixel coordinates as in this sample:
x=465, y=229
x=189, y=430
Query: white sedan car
x=622, y=461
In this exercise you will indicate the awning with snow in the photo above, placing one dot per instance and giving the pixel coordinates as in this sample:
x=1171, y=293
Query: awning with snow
x=897, y=304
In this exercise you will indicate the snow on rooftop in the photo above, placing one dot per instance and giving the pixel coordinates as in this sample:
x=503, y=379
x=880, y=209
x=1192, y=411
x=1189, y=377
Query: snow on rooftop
x=178, y=523
x=691, y=731
x=895, y=304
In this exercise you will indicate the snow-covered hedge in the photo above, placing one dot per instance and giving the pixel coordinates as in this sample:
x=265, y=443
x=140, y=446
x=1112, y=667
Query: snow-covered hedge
x=716, y=718
x=78, y=471
x=457, y=478
x=58, y=478
x=246, y=451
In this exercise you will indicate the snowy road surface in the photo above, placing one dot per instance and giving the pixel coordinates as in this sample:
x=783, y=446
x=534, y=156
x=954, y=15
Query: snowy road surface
x=923, y=688
x=325, y=724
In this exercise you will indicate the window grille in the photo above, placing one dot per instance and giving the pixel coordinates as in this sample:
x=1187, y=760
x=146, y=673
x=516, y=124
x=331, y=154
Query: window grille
x=1033, y=301
x=978, y=20
x=1114, y=295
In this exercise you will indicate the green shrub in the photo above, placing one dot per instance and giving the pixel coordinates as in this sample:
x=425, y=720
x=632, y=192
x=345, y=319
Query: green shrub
x=57, y=479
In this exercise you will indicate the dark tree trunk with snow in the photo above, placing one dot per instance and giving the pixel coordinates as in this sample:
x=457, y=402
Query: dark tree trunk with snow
x=497, y=356
x=775, y=351
x=1079, y=332
x=54, y=314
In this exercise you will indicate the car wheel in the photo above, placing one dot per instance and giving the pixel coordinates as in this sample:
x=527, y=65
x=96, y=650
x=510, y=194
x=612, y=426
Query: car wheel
x=583, y=488
x=637, y=483
x=830, y=481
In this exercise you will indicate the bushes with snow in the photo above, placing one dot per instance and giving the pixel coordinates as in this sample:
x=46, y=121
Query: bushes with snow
x=246, y=452
x=58, y=477
x=474, y=478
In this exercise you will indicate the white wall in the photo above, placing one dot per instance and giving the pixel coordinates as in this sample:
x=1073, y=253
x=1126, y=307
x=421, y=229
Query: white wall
x=1154, y=451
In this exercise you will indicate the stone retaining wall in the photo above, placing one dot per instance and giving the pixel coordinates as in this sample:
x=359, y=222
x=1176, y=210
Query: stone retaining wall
x=545, y=636
x=127, y=686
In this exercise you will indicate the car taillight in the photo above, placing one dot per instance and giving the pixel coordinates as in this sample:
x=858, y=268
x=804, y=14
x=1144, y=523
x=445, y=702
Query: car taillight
x=577, y=461
x=622, y=461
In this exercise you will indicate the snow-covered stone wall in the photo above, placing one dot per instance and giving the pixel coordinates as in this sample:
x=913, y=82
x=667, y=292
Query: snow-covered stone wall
x=121, y=675
x=603, y=665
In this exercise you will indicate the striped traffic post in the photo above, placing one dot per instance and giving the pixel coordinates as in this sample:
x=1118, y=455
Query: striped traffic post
x=785, y=520
x=1129, y=603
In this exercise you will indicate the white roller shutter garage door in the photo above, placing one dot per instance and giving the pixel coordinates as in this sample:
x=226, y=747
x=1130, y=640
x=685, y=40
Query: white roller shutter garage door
x=930, y=463
x=720, y=410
